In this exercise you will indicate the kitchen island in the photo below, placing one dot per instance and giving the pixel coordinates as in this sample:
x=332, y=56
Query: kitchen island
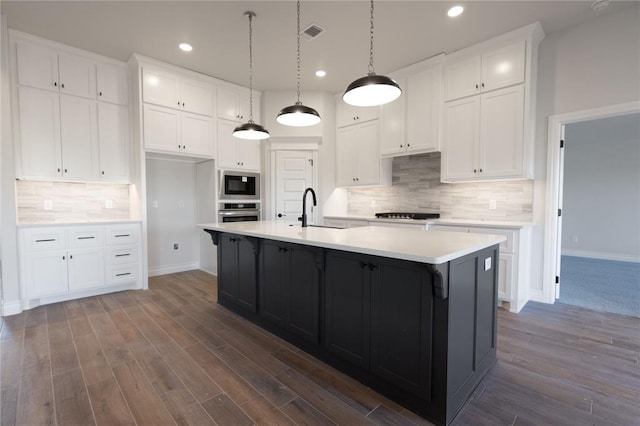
x=410, y=313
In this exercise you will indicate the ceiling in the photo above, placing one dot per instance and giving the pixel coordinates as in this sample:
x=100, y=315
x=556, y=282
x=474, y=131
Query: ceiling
x=405, y=32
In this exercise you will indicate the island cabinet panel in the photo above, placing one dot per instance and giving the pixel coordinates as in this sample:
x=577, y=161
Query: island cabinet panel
x=237, y=264
x=347, y=306
x=289, y=288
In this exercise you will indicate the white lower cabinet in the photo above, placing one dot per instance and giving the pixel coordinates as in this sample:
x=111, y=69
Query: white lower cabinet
x=514, y=264
x=65, y=262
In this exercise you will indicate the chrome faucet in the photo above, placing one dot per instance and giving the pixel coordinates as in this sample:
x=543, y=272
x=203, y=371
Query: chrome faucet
x=304, y=205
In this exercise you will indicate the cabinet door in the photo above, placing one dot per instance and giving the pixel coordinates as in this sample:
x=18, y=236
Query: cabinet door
x=40, y=146
x=227, y=145
x=423, y=111
x=249, y=154
x=392, y=138
x=247, y=274
x=227, y=103
x=196, y=96
x=113, y=137
x=161, y=128
x=367, y=155
x=502, y=133
x=79, y=135
x=503, y=67
x=303, y=291
x=77, y=76
x=196, y=134
x=227, y=268
x=86, y=268
x=346, y=139
x=401, y=315
x=273, y=274
x=461, y=139
x=113, y=84
x=37, y=65
x=462, y=77
x=160, y=87
x=347, y=306
x=45, y=273
x=506, y=276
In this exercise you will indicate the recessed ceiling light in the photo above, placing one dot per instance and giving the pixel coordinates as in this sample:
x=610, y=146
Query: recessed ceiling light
x=321, y=73
x=185, y=47
x=455, y=11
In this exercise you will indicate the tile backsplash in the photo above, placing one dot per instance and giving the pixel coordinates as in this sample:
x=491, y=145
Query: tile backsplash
x=417, y=188
x=70, y=202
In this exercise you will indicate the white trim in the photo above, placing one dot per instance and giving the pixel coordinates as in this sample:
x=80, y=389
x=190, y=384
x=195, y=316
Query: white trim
x=535, y=296
x=209, y=272
x=602, y=255
x=300, y=144
x=11, y=308
x=556, y=125
x=164, y=270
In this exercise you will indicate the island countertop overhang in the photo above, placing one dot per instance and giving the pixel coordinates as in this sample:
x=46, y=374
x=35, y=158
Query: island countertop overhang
x=416, y=245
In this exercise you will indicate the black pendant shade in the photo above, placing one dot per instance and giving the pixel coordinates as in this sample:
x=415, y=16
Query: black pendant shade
x=372, y=90
x=298, y=115
x=251, y=131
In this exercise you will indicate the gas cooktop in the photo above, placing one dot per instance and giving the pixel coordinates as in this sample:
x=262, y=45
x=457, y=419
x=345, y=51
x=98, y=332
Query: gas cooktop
x=416, y=216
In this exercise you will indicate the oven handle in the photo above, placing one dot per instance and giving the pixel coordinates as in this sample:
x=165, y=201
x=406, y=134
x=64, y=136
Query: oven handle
x=241, y=212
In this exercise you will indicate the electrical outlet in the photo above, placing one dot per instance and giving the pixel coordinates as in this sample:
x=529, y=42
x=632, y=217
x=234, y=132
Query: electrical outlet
x=373, y=204
x=176, y=246
x=48, y=204
x=181, y=204
x=155, y=204
x=108, y=204
x=574, y=238
x=492, y=204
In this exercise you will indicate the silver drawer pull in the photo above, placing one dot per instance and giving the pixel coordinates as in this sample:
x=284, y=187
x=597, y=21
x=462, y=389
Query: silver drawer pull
x=45, y=241
x=121, y=255
x=123, y=274
x=122, y=235
x=86, y=238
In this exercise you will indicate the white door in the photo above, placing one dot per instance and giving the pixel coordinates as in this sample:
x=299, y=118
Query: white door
x=461, y=138
x=113, y=84
x=422, y=111
x=346, y=139
x=113, y=137
x=462, y=78
x=86, y=268
x=227, y=104
x=77, y=76
x=560, y=200
x=37, y=66
x=503, y=67
x=227, y=145
x=196, y=96
x=161, y=128
x=367, y=154
x=46, y=273
x=160, y=88
x=249, y=154
x=392, y=134
x=79, y=135
x=294, y=174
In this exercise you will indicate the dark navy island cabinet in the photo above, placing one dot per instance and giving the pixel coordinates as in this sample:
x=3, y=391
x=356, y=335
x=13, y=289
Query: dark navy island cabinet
x=422, y=334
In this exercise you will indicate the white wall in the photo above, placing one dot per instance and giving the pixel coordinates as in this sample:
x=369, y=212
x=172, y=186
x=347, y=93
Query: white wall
x=172, y=184
x=206, y=197
x=601, y=208
x=591, y=65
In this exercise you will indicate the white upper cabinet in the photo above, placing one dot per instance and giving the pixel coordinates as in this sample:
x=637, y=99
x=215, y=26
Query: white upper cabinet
x=494, y=69
x=113, y=84
x=113, y=137
x=46, y=68
x=411, y=124
x=167, y=88
x=234, y=153
x=358, y=160
x=79, y=131
x=196, y=134
x=347, y=115
x=233, y=104
x=489, y=113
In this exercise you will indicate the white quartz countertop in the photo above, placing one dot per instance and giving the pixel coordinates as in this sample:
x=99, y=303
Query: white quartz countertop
x=77, y=223
x=412, y=244
x=441, y=221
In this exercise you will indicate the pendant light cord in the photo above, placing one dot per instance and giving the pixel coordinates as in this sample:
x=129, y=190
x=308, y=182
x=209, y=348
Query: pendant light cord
x=371, y=69
x=251, y=15
x=298, y=73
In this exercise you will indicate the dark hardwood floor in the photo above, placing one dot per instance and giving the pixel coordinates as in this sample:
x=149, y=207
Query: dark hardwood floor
x=172, y=355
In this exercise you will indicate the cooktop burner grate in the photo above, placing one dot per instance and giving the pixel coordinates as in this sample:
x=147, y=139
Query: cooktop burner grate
x=400, y=215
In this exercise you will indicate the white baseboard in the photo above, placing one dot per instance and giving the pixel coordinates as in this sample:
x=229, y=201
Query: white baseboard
x=209, y=272
x=536, y=296
x=11, y=308
x=164, y=270
x=601, y=255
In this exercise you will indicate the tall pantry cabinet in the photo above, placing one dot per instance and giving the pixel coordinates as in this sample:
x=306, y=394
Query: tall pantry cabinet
x=73, y=115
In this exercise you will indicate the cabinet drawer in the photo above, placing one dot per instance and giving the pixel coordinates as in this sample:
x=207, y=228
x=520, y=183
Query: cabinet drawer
x=40, y=239
x=122, y=255
x=122, y=274
x=79, y=237
x=117, y=235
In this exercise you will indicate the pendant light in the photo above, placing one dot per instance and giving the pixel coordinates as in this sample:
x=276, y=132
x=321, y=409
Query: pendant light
x=298, y=115
x=250, y=130
x=373, y=89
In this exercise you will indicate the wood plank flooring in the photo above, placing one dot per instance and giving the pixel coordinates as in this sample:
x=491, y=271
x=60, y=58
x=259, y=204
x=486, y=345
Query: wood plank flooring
x=171, y=355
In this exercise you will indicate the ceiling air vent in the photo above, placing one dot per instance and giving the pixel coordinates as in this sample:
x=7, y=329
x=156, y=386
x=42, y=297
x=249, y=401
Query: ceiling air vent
x=312, y=31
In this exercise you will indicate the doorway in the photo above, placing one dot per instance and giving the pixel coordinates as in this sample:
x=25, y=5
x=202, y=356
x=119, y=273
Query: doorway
x=592, y=240
x=292, y=173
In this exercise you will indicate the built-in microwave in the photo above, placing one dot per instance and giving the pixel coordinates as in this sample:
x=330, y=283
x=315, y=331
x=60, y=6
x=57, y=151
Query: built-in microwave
x=236, y=185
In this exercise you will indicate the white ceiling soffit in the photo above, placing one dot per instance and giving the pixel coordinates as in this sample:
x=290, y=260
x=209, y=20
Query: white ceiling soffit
x=405, y=32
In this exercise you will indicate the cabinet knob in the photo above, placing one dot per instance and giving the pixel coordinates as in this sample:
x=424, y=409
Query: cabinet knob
x=401, y=146
x=483, y=85
x=408, y=145
x=179, y=146
x=62, y=85
x=58, y=169
x=476, y=86
x=103, y=172
x=184, y=147
x=66, y=171
x=480, y=170
x=475, y=171
x=64, y=257
x=178, y=103
x=55, y=83
x=357, y=179
x=373, y=267
x=100, y=94
x=183, y=104
x=70, y=257
x=363, y=265
x=281, y=215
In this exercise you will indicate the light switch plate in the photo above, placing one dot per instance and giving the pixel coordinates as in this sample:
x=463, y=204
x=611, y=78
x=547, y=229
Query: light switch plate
x=487, y=264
